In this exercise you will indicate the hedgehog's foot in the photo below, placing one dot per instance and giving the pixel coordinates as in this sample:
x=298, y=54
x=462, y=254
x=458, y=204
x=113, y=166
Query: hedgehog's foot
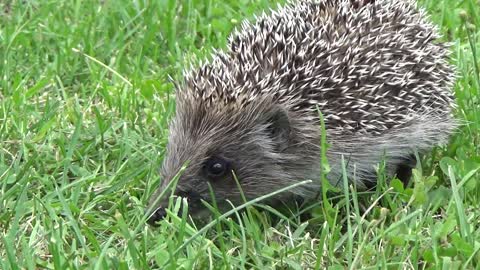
x=404, y=173
x=404, y=170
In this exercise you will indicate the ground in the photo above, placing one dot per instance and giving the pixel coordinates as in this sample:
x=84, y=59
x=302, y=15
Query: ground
x=85, y=98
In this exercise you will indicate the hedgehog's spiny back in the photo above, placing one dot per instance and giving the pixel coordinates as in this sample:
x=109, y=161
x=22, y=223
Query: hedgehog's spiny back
x=368, y=69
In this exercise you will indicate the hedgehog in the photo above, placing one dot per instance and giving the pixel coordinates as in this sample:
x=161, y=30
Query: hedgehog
x=247, y=122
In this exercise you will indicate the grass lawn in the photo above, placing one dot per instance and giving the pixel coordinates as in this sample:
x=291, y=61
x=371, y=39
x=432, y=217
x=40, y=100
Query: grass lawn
x=85, y=99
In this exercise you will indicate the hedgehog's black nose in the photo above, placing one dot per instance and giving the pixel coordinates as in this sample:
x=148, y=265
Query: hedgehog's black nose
x=159, y=214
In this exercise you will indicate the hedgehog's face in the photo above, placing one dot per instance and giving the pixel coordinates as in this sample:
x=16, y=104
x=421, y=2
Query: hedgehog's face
x=224, y=152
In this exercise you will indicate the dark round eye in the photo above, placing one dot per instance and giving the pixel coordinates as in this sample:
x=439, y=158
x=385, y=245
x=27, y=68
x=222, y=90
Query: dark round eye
x=216, y=167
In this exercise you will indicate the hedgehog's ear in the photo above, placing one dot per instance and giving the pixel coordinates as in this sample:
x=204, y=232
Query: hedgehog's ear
x=279, y=128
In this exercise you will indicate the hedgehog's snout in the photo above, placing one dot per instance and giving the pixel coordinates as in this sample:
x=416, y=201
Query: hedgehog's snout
x=193, y=199
x=157, y=216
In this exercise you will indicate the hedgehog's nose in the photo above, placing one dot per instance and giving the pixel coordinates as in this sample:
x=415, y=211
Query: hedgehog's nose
x=158, y=215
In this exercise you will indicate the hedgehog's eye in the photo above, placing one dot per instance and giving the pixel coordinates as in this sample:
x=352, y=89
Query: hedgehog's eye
x=216, y=167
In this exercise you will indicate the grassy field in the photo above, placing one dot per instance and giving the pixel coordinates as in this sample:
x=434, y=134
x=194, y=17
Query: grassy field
x=84, y=104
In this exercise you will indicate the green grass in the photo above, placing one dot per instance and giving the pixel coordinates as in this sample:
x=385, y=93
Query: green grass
x=84, y=103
